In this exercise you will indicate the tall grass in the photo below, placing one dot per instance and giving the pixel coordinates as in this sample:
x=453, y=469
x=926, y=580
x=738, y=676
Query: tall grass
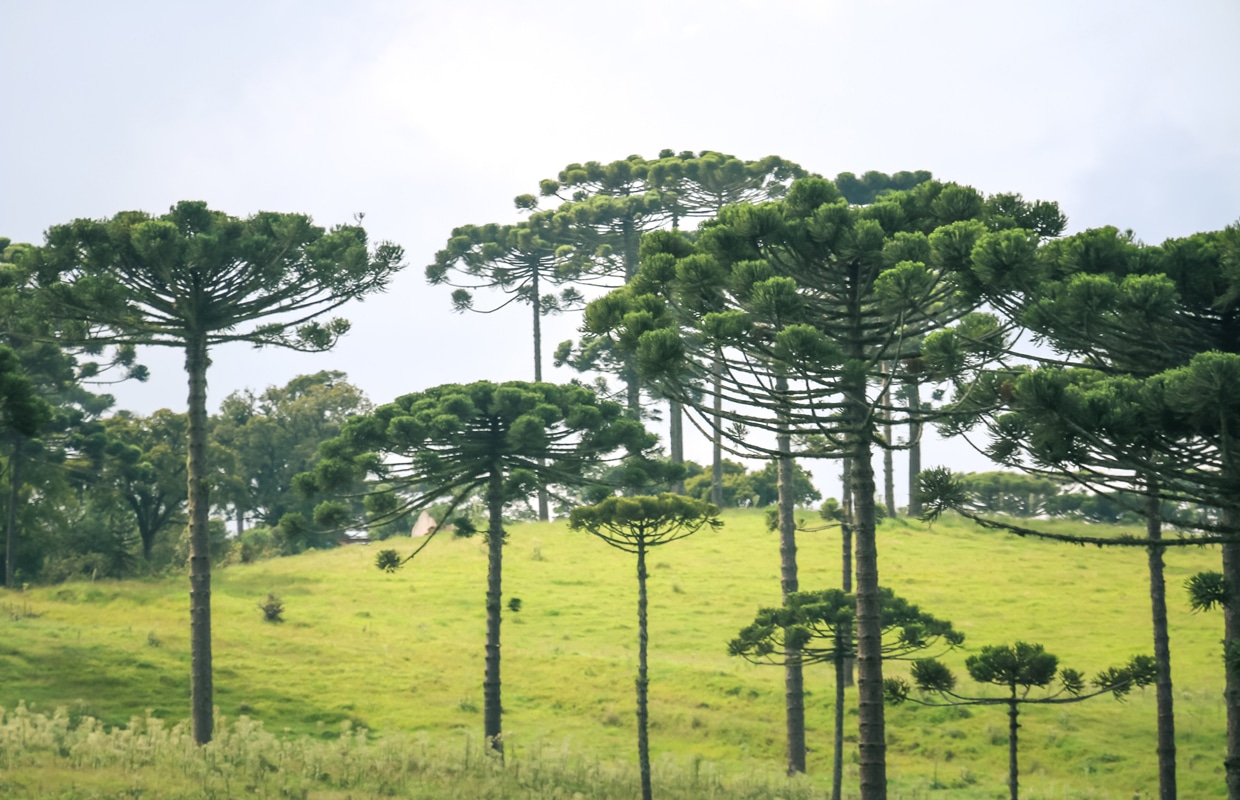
x=55, y=756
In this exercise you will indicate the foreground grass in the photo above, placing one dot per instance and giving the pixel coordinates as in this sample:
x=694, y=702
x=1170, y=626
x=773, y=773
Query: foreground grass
x=401, y=656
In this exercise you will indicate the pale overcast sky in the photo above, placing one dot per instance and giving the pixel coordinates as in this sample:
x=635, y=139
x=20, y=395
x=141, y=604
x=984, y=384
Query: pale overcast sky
x=430, y=115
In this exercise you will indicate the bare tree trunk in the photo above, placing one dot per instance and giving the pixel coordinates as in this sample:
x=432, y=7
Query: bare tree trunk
x=846, y=543
x=544, y=505
x=716, y=463
x=676, y=439
x=202, y=688
x=240, y=523
x=872, y=724
x=632, y=395
x=643, y=681
x=1231, y=641
x=889, y=473
x=914, y=450
x=837, y=750
x=794, y=685
x=10, y=525
x=1162, y=650
x=1013, y=766
x=492, y=709
x=872, y=740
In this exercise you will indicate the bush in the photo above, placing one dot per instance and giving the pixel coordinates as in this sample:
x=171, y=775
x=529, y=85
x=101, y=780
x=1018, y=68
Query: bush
x=273, y=608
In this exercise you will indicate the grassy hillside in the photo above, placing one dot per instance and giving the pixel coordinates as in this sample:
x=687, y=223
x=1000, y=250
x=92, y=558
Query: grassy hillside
x=402, y=654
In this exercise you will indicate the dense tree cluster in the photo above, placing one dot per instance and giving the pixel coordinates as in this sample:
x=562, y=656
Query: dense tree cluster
x=791, y=319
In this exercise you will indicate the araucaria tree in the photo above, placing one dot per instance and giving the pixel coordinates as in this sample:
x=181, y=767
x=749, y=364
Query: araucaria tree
x=1149, y=412
x=523, y=262
x=1019, y=669
x=503, y=440
x=816, y=295
x=194, y=278
x=821, y=628
x=636, y=525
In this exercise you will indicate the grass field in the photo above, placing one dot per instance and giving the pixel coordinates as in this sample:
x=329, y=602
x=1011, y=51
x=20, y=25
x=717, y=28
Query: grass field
x=401, y=655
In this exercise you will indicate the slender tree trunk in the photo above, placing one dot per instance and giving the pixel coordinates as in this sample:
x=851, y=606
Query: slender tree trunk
x=914, y=450
x=889, y=470
x=544, y=505
x=676, y=439
x=492, y=709
x=10, y=523
x=240, y=522
x=837, y=750
x=1162, y=650
x=202, y=689
x=794, y=684
x=1231, y=642
x=716, y=463
x=632, y=392
x=1013, y=766
x=632, y=244
x=643, y=681
x=146, y=533
x=846, y=544
x=872, y=739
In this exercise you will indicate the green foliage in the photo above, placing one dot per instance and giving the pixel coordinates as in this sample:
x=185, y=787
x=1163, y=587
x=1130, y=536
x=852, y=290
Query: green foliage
x=821, y=626
x=1013, y=493
x=1207, y=591
x=1021, y=665
x=448, y=441
x=261, y=441
x=644, y=521
x=272, y=608
x=388, y=560
x=261, y=279
x=757, y=488
x=144, y=464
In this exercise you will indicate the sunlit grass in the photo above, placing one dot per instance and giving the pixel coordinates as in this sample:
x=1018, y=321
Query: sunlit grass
x=401, y=655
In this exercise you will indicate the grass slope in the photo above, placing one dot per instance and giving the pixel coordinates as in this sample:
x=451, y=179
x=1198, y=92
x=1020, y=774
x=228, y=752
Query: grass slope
x=402, y=654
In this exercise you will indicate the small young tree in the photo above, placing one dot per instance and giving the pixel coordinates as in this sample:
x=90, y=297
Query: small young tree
x=821, y=627
x=635, y=525
x=1019, y=669
x=194, y=278
x=504, y=440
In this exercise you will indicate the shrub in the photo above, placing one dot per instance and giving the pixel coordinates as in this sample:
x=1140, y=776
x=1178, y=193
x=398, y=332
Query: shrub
x=273, y=608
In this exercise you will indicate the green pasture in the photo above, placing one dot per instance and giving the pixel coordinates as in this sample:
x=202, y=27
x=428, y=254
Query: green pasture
x=401, y=655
